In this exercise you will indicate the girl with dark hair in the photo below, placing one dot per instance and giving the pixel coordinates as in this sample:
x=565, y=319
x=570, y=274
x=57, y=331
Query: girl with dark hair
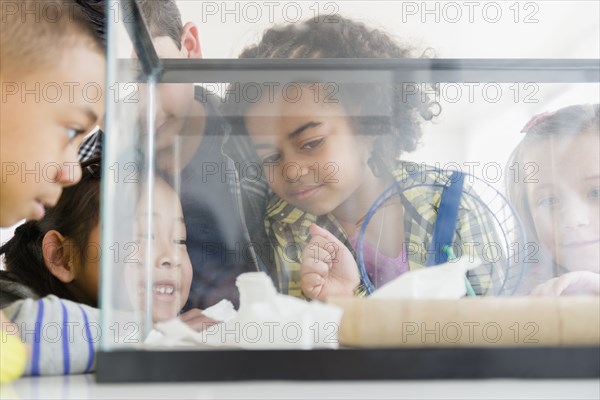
x=328, y=154
x=557, y=195
x=57, y=254
x=52, y=273
x=50, y=280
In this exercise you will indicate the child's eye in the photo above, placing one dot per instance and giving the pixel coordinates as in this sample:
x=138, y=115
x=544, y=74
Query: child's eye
x=72, y=133
x=594, y=193
x=143, y=237
x=549, y=201
x=272, y=158
x=181, y=242
x=312, y=144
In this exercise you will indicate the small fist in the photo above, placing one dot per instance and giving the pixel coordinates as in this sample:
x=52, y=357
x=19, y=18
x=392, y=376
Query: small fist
x=328, y=267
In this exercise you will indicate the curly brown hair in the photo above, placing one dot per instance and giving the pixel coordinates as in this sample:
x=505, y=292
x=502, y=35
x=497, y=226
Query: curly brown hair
x=386, y=109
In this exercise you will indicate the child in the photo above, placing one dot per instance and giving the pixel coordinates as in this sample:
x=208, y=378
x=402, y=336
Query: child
x=223, y=208
x=53, y=265
x=560, y=203
x=331, y=152
x=46, y=261
x=40, y=131
x=172, y=274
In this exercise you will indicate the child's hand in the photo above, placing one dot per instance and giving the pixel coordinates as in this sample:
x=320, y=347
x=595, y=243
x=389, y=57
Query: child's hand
x=328, y=267
x=570, y=284
x=196, y=320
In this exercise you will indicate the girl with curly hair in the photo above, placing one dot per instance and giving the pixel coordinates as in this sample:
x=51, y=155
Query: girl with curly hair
x=329, y=150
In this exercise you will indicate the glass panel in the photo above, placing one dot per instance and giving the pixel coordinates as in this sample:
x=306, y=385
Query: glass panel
x=399, y=172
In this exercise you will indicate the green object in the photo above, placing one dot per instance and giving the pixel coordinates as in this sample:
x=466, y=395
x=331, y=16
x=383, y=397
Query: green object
x=451, y=256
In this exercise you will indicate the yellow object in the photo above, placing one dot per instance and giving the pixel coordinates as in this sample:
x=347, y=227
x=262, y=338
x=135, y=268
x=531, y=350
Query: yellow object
x=13, y=357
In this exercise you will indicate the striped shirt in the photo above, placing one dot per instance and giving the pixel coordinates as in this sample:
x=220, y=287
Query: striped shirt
x=63, y=335
x=420, y=195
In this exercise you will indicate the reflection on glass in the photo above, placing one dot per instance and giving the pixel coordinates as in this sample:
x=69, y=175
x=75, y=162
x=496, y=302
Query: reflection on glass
x=172, y=269
x=560, y=204
x=339, y=188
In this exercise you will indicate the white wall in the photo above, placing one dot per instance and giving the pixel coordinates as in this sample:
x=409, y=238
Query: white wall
x=478, y=130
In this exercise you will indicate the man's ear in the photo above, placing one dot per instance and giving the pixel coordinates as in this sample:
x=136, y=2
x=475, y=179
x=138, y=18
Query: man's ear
x=56, y=251
x=190, y=40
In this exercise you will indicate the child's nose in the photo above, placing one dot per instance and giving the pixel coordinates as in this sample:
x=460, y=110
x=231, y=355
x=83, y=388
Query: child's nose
x=69, y=173
x=295, y=170
x=575, y=214
x=576, y=219
x=168, y=261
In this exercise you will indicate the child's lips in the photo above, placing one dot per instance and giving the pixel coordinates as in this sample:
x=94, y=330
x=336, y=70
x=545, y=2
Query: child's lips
x=40, y=206
x=580, y=243
x=164, y=291
x=38, y=210
x=304, y=192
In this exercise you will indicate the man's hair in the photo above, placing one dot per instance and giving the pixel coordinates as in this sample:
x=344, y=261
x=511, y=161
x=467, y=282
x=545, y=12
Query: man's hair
x=163, y=19
x=33, y=33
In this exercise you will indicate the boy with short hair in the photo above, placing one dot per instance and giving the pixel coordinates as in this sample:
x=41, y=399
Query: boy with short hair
x=46, y=59
x=41, y=129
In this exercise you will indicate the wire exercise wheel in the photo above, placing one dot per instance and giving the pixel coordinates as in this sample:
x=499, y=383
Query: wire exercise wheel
x=494, y=205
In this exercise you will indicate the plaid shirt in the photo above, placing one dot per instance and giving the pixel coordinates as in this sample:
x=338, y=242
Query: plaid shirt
x=91, y=146
x=287, y=228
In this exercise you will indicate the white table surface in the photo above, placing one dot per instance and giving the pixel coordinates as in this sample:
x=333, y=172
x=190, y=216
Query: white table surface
x=85, y=387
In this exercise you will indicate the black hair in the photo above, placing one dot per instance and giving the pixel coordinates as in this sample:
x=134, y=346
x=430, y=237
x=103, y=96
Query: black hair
x=95, y=12
x=74, y=216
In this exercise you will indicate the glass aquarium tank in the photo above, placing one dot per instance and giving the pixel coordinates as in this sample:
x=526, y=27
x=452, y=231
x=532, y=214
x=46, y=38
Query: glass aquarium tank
x=340, y=190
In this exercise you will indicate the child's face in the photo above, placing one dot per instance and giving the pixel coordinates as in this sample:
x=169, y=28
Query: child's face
x=172, y=272
x=565, y=200
x=176, y=107
x=45, y=115
x=311, y=156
